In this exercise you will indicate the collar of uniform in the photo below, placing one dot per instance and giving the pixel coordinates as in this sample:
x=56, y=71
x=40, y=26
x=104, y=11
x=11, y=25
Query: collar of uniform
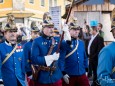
x=8, y=43
x=31, y=40
x=73, y=38
x=46, y=37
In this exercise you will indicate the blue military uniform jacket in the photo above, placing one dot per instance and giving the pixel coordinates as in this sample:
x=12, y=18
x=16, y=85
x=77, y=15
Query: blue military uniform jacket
x=76, y=63
x=0, y=64
x=40, y=49
x=27, y=55
x=106, y=63
x=12, y=69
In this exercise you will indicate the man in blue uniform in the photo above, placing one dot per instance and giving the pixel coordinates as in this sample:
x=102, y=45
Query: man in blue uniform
x=106, y=62
x=51, y=66
x=35, y=32
x=11, y=58
x=76, y=61
x=1, y=40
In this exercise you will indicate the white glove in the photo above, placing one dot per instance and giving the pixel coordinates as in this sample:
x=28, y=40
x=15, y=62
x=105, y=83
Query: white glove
x=67, y=36
x=50, y=58
x=40, y=27
x=56, y=56
x=30, y=77
x=65, y=28
x=66, y=78
x=66, y=33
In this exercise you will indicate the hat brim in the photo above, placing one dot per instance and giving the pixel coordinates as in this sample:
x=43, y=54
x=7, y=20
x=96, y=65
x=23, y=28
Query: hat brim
x=13, y=30
x=48, y=25
x=75, y=28
x=35, y=30
x=10, y=29
x=56, y=31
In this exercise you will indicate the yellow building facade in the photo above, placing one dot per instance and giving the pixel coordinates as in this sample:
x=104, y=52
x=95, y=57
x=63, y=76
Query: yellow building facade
x=26, y=11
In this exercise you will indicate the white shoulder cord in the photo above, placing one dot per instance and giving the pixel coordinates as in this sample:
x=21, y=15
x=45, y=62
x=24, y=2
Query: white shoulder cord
x=73, y=50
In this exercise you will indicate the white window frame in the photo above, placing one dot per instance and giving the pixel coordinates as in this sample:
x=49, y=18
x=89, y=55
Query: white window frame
x=55, y=4
x=42, y=4
x=50, y=3
x=31, y=2
x=2, y=2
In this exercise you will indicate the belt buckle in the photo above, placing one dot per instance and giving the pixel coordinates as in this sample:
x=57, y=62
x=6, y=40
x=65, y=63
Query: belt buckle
x=43, y=68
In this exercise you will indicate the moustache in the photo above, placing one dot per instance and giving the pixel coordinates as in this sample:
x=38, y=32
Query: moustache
x=12, y=35
x=51, y=32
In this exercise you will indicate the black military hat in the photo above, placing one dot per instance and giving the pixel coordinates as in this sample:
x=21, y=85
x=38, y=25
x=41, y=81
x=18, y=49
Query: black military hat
x=73, y=24
x=113, y=20
x=34, y=27
x=47, y=20
x=10, y=26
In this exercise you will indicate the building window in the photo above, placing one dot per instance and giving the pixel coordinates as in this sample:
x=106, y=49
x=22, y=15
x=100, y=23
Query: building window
x=1, y=1
x=55, y=2
x=19, y=20
x=50, y=3
x=31, y=1
x=42, y=3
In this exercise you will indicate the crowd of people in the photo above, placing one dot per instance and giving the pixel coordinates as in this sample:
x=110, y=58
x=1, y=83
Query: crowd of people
x=46, y=60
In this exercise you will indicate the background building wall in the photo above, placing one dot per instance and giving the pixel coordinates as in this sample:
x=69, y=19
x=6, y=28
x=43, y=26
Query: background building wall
x=6, y=4
x=101, y=13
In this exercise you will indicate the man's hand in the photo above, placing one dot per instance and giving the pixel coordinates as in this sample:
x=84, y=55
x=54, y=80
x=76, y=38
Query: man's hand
x=50, y=58
x=66, y=32
x=66, y=78
x=65, y=28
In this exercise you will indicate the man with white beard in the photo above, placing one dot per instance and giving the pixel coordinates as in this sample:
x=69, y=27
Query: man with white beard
x=11, y=56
